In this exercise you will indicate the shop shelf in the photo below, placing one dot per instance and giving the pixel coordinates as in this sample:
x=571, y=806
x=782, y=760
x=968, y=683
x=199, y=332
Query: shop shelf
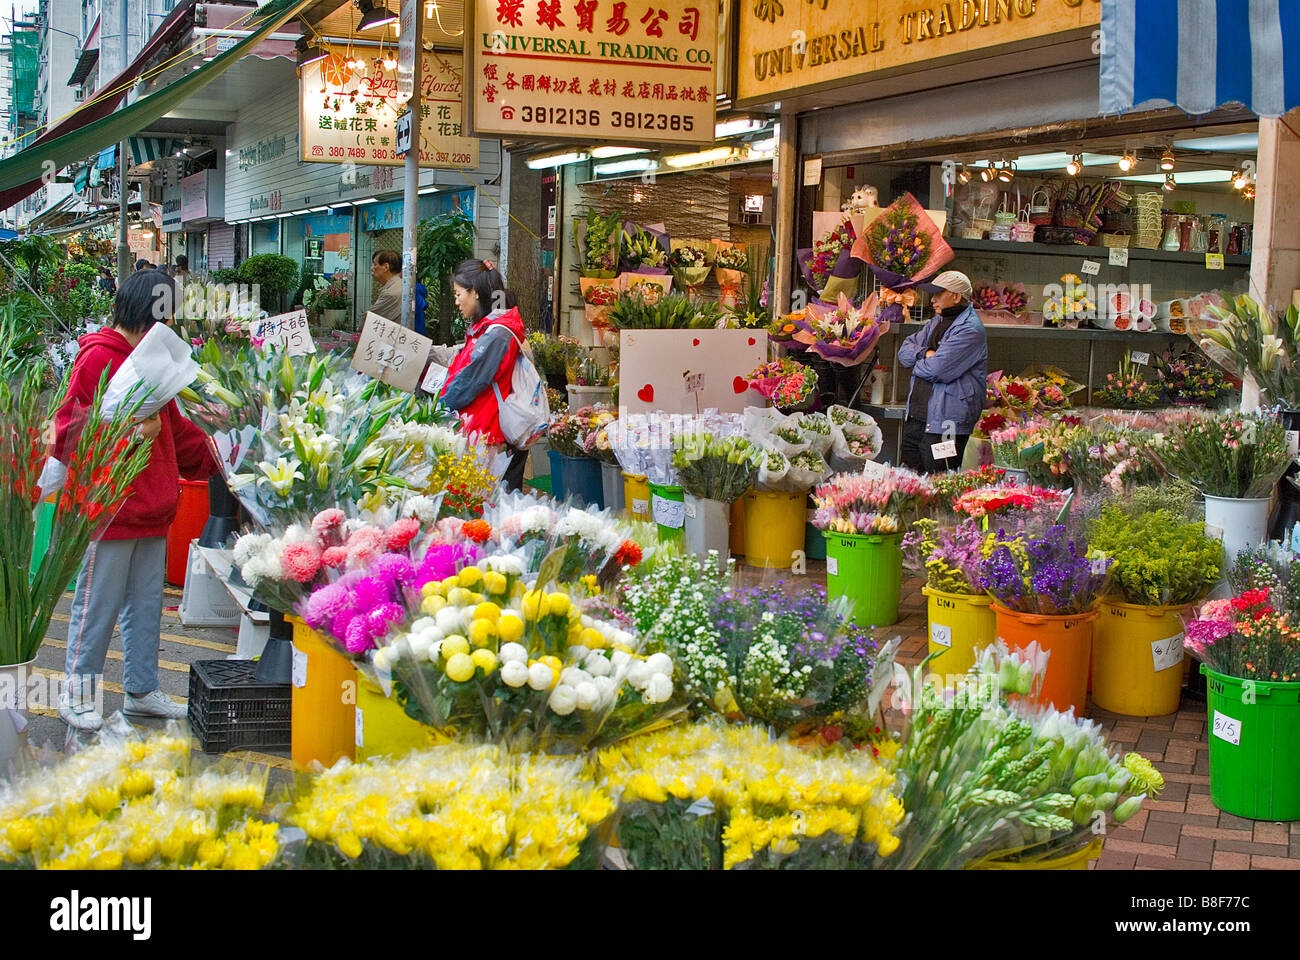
x=1057, y=333
x=1091, y=253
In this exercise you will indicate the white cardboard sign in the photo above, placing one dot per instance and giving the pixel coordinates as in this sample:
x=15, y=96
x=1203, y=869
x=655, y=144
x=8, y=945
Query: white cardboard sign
x=391, y=353
x=660, y=370
x=285, y=331
x=1226, y=728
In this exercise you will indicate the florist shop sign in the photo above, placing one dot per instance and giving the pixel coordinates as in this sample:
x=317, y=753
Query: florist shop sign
x=789, y=45
x=348, y=116
x=632, y=71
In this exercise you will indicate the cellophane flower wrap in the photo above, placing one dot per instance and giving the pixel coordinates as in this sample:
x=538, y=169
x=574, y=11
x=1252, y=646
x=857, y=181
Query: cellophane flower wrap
x=1159, y=560
x=599, y=238
x=132, y=800
x=730, y=262
x=885, y=501
x=987, y=779
x=101, y=464
x=455, y=807
x=1051, y=575
x=1247, y=637
x=786, y=382
x=713, y=467
x=714, y=795
x=690, y=262
x=828, y=266
x=1229, y=455
x=995, y=501
x=842, y=333
x=645, y=249
x=903, y=247
x=855, y=439
x=759, y=654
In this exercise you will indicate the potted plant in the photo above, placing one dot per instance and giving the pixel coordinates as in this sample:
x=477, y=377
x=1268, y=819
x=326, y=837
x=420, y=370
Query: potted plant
x=714, y=472
x=1045, y=591
x=960, y=617
x=334, y=303
x=1162, y=566
x=579, y=473
x=1235, y=461
x=863, y=518
x=1249, y=655
x=591, y=384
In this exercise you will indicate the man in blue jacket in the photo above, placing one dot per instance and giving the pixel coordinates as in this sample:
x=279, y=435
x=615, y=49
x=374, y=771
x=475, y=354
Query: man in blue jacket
x=949, y=360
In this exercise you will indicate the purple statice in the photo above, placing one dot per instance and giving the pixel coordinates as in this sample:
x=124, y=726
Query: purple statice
x=1048, y=575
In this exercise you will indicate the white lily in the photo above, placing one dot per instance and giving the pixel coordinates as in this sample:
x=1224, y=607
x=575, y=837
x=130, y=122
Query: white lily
x=279, y=476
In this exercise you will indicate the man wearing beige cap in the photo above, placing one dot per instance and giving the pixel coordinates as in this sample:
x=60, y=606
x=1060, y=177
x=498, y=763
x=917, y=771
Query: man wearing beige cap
x=949, y=361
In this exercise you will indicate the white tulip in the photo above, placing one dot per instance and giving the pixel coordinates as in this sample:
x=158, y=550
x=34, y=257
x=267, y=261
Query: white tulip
x=588, y=695
x=540, y=676
x=660, y=663
x=639, y=674
x=597, y=664
x=563, y=699
x=513, y=653
x=514, y=673
x=659, y=689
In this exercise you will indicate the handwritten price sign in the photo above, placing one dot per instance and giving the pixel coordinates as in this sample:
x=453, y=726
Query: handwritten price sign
x=389, y=352
x=287, y=331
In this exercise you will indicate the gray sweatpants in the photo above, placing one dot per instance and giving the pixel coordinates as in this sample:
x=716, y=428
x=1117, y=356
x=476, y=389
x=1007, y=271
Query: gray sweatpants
x=121, y=581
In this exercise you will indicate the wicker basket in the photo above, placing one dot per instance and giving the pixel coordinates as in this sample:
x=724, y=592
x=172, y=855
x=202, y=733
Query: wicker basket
x=1119, y=241
x=1147, y=223
x=1022, y=232
x=1040, y=208
x=972, y=233
x=982, y=224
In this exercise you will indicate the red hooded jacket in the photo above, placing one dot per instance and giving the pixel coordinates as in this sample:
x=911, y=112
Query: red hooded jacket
x=478, y=407
x=180, y=449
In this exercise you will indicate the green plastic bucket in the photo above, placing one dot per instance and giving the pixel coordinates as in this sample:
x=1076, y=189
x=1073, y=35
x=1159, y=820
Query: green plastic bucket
x=1254, y=730
x=868, y=569
x=668, y=510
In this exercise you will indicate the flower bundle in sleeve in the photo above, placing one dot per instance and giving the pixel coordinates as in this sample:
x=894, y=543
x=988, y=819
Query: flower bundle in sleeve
x=689, y=261
x=984, y=779
x=645, y=249
x=786, y=382
x=987, y=297
x=730, y=263
x=903, y=247
x=1247, y=339
x=1051, y=575
x=1229, y=455
x=1128, y=388
x=950, y=486
x=568, y=432
x=843, y=334
x=828, y=266
x=599, y=240
x=1000, y=500
x=1159, y=561
x=1191, y=378
x=101, y=465
x=713, y=467
x=884, y=502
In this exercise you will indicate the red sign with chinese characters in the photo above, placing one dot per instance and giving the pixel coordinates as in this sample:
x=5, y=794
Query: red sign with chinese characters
x=628, y=71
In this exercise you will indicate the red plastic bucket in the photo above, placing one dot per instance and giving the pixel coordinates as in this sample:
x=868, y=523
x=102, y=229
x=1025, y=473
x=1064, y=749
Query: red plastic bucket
x=191, y=515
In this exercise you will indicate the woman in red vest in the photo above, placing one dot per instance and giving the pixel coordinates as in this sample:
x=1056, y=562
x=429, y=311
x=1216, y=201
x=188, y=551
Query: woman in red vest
x=492, y=343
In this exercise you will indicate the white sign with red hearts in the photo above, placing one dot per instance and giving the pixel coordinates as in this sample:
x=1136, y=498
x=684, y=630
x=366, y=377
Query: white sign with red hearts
x=689, y=371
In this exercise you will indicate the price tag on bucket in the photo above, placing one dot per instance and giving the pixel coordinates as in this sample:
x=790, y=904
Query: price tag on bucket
x=299, y=671
x=833, y=566
x=668, y=513
x=360, y=729
x=1226, y=728
x=640, y=506
x=941, y=635
x=1167, y=653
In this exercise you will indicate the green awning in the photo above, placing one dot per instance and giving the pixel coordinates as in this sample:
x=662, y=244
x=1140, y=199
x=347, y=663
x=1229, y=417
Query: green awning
x=27, y=166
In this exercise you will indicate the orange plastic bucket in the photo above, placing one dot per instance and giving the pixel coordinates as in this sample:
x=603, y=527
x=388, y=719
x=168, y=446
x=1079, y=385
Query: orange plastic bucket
x=1068, y=640
x=191, y=515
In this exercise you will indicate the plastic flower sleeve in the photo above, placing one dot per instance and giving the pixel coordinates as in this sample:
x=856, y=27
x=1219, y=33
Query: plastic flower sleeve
x=159, y=367
x=816, y=430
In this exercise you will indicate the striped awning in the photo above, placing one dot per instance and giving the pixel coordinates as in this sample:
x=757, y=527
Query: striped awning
x=1200, y=54
x=148, y=149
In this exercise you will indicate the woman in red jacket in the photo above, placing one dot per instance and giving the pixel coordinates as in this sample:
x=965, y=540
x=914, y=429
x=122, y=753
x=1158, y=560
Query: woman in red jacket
x=492, y=344
x=121, y=578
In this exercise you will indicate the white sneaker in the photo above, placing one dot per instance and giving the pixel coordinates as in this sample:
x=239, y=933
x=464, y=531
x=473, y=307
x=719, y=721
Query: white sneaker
x=78, y=714
x=155, y=704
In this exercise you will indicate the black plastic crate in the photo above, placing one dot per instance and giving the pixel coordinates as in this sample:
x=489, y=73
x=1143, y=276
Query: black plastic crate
x=229, y=710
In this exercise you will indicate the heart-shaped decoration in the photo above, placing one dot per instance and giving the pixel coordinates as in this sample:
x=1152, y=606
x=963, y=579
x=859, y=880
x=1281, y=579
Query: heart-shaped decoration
x=740, y=384
x=646, y=394
x=695, y=342
x=752, y=341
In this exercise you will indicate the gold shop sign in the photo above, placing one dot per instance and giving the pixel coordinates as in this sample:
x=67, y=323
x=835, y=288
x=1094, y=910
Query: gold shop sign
x=788, y=45
x=623, y=71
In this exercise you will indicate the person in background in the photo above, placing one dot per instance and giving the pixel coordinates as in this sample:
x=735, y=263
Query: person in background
x=386, y=272
x=181, y=273
x=107, y=284
x=121, y=578
x=493, y=340
x=141, y=265
x=948, y=358
x=421, y=304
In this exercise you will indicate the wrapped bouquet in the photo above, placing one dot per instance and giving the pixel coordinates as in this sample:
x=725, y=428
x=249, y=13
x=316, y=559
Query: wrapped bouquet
x=828, y=266
x=903, y=247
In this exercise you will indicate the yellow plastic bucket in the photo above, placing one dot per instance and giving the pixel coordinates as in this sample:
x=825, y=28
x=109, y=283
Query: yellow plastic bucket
x=1073, y=861
x=774, y=528
x=636, y=496
x=383, y=728
x=323, y=696
x=737, y=542
x=960, y=624
x=1137, y=659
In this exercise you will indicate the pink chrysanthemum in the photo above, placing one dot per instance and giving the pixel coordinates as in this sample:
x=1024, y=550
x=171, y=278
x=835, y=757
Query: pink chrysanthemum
x=358, y=639
x=394, y=568
x=327, y=523
x=326, y=604
x=300, y=561
x=363, y=546
x=334, y=557
x=400, y=534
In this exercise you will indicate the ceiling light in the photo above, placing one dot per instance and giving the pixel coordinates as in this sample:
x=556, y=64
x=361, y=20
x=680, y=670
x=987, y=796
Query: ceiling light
x=696, y=159
x=429, y=10
x=604, y=153
x=1240, y=180
x=988, y=173
x=1167, y=159
x=1128, y=162
x=319, y=209
x=1075, y=166
x=1007, y=171
x=1170, y=183
x=1232, y=143
x=372, y=16
x=964, y=175
x=557, y=160
x=1249, y=192
x=1055, y=161
x=732, y=128
x=634, y=165
x=763, y=147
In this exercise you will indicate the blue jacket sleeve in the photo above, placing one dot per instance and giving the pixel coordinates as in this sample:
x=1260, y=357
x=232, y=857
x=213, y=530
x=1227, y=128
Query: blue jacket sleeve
x=962, y=348
x=479, y=373
x=910, y=350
